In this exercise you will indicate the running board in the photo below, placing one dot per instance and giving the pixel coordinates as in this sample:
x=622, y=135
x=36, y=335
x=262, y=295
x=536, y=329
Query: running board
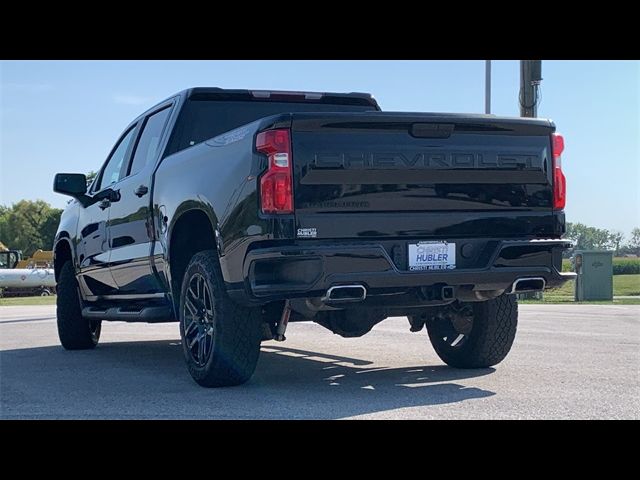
x=155, y=314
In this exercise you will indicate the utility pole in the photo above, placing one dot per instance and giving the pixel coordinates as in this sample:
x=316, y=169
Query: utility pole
x=530, y=78
x=487, y=86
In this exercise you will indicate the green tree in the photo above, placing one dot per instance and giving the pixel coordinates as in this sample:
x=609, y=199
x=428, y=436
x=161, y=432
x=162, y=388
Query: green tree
x=601, y=238
x=29, y=225
x=635, y=238
x=588, y=238
x=90, y=177
x=616, y=238
x=4, y=215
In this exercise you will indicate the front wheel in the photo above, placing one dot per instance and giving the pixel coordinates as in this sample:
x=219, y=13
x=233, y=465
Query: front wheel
x=475, y=335
x=220, y=339
x=75, y=332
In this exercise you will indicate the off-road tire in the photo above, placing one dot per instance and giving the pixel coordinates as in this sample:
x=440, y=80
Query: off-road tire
x=237, y=329
x=74, y=331
x=490, y=339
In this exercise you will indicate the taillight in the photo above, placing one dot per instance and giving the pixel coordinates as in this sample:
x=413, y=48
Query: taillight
x=276, y=193
x=559, y=180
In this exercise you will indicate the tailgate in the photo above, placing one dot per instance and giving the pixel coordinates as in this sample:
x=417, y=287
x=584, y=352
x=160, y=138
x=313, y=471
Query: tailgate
x=381, y=175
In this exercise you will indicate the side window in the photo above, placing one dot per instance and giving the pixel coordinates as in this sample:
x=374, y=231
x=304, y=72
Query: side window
x=113, y=168
x=149, y=142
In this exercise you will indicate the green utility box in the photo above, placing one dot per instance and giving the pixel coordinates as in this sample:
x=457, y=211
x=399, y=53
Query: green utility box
x=595, y=275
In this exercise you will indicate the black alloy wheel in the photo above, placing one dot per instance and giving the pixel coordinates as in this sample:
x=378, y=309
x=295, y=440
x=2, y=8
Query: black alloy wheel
x=198, y=314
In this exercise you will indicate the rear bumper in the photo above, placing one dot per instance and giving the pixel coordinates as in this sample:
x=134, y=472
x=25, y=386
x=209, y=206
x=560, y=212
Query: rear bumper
x=308, y=269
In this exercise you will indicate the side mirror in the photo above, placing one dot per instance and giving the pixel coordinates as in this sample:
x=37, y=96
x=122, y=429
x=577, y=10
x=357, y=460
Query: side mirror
x=72, y=184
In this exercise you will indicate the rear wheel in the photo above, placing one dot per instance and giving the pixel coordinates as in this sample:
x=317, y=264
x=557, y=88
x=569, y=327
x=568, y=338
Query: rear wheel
x=75, y=332
x=220, y=339
x=475, y=335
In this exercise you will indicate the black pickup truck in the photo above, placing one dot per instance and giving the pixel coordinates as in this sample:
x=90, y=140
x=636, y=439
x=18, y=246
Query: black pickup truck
x=235, y=212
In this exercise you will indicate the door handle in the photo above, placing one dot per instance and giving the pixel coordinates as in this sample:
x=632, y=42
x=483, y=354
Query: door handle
x=104, y=203
x=141, y=190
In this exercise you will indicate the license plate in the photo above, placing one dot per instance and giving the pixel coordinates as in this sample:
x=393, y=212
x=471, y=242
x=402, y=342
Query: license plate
x=432, y=256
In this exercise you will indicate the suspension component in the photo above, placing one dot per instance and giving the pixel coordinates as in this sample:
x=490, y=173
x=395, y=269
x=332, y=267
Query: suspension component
x=282, y=324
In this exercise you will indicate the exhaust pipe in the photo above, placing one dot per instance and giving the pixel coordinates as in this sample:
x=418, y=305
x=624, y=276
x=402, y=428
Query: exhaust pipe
x=528, y=284
x=345, y=294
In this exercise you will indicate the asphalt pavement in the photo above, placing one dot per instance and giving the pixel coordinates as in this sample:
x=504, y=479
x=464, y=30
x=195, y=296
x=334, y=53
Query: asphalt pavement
x=568, y=361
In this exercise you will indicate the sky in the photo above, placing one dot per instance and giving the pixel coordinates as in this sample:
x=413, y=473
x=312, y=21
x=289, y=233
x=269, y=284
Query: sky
x=64, y=116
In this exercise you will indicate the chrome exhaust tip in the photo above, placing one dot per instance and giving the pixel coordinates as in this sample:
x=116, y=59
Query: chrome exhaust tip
x=528, y=284
x=345, y=294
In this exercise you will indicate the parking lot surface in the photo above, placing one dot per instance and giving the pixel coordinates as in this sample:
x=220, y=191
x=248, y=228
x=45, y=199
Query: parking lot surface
x=568, y=361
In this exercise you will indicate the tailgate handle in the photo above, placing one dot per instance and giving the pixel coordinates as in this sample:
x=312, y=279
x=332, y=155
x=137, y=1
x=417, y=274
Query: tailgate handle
x=431, y=130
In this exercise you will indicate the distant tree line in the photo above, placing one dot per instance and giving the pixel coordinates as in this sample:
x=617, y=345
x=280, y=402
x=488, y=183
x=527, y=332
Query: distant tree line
x=29, y=225
x=592, y=238
x=90, y=177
